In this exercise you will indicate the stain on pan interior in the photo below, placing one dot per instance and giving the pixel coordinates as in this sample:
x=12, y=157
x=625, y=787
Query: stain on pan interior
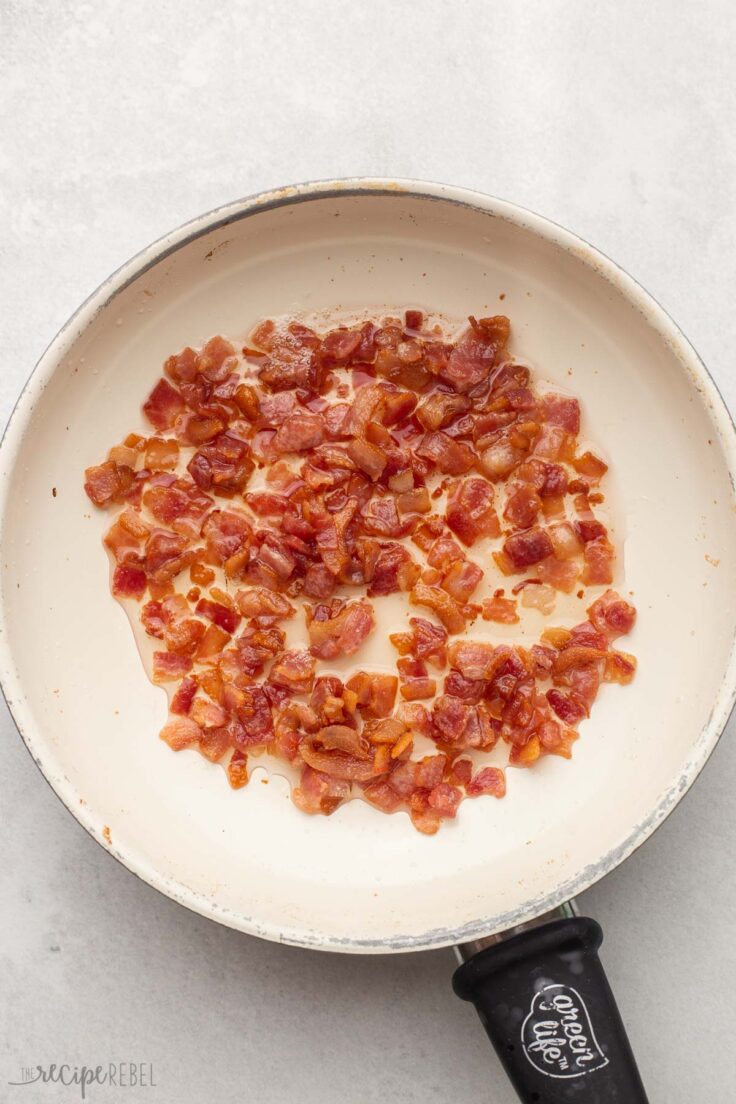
x=631, y=291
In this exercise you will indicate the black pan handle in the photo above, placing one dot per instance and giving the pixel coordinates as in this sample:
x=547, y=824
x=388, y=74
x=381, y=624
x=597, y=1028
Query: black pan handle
x=546, y=1004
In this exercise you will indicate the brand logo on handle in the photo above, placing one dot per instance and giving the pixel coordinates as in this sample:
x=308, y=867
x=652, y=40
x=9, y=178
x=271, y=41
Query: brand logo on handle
x=557, y=1035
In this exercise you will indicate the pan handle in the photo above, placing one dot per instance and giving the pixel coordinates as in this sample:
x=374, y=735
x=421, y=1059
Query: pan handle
x=545, y=1002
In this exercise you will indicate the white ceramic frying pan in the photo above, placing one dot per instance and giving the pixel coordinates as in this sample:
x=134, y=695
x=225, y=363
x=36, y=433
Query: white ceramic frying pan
x=358, y=881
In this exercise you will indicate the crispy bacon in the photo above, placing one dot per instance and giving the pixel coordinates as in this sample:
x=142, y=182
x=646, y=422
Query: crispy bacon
x=470, y=513
x=108, y=482
x=164, y=405
x=374, y=452
x=339, y=633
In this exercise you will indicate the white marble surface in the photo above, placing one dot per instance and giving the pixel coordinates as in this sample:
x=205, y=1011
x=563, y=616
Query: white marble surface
x=123, y=120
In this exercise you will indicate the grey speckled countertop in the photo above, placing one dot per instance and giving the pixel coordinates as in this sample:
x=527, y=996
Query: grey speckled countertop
x=123, y=120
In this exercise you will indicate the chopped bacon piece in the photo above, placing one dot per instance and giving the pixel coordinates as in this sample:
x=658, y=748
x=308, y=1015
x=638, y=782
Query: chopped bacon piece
x=294, y=670
x=619, y=667
x=180, y=732
x=476, y=353
x=500, y=458
x=441, y=603
x=449, y=456
x=319, y=793
x=237, y=770
x=561, y=410
x=569, y=707
x=470, y=513
x=393, y=570
x=170, y=665
x=262, y=603
x=129, y=581
x=341, y=633
x=161, y=454
x=182, y=700
x=562, y=575
x=226, y=618
x=475, y=660
x=166, y=555
x=522, y=506
x=439, y=408
x=298, y=433
x=226, y=532
x=599, y=555
x=444, y=799
x=501, y=610
x=488, y=780
x=528, y=547
x=376, y=693
x=223, y=464
x=590, y=465
x=611, y=615
x=180, y=505
x=463, y=725
x=461, y=579
x=164, y=405
x=108, y=482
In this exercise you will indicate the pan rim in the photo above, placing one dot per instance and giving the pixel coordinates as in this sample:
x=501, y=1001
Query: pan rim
x=703, y=744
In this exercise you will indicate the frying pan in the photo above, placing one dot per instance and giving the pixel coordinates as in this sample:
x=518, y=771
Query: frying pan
x=360, y=882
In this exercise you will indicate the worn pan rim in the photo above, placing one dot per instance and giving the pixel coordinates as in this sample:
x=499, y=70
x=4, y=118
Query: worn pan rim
x=708, y=393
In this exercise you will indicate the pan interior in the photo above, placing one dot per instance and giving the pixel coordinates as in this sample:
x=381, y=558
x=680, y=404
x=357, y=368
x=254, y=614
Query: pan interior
x=359, y=880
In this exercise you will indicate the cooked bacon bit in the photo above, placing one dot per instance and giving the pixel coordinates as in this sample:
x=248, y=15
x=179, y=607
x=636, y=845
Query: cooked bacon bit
x=164, y=405
x=445, y=607
x=502, y=610
x=475, y=660
x=166, y=555
x=180, y=732
x=461, y=580
x=463, y=725
x=470, y=513
x=369, y=458
x=476, y=353
x=168, y=666
x=565, y=543
x=294, y=670
x=599, y=555
x=237, y=770
x=569, y=707
x=226, y=618
x=201, y=575
x=223, y=464
x=619, y=667
x=590, y=465
x=417, y=689
x=108, y=482
x=213, y=642
x=560, y=410
x=299, y=433
x=440, y=408
x=500, y=459
x=488, y=780
x=612, y=615
x=560, y=575
x=339, y=633
x=319, y=793
x=375, y=693
x=226, y=533
x=180, y=505
x=261, y=603
x=337, y=764
x=161, y=454
x=522, y=506
x=540, y=597
x=182, y=700
x=129, y=581
x=449, y=456
x=529, y=547
x=393, y=570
